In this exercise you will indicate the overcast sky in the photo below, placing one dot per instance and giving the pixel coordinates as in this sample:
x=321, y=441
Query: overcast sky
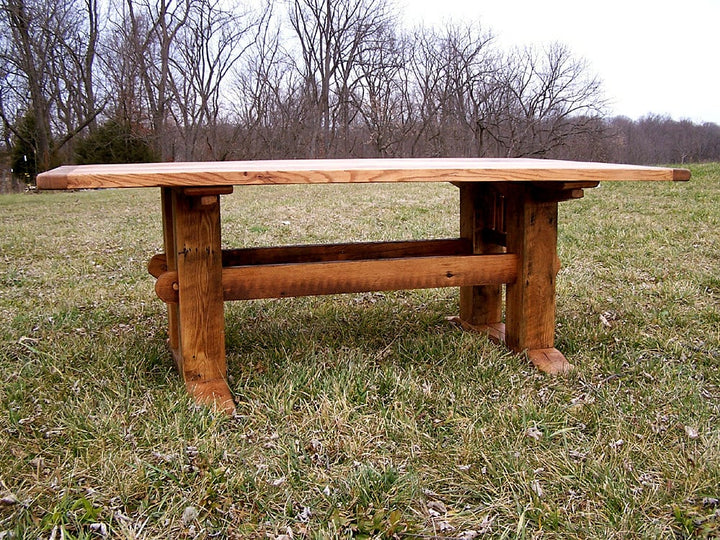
x=653, y=56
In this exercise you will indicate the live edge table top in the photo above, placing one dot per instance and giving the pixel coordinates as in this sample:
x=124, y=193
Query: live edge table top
x=326, y=171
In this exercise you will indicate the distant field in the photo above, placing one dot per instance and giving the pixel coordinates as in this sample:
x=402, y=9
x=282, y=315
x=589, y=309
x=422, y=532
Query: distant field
x=368, y=415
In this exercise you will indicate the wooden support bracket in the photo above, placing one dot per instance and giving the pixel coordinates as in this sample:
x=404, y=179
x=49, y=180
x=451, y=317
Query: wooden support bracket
x=206, y=191
x=542, y=195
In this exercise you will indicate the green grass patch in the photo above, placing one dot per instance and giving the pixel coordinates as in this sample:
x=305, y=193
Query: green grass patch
x=362, y=416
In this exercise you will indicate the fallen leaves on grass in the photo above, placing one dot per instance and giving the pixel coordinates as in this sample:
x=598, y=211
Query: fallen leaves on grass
x=534, y=433
x=537, y=488
x=9, y=500
x=436, y=508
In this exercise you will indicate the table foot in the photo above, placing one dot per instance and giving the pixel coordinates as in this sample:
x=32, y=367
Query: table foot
x=494, y=331
x=549, y=361
x=214, y=393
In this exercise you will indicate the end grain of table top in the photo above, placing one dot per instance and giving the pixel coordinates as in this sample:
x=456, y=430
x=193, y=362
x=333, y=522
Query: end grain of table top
x=327, y=171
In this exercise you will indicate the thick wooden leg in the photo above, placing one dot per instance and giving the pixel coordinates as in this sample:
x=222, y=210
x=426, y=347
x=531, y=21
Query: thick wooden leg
x=171, y=264
x=201, y=323
x=481, y=222
x=530, y=310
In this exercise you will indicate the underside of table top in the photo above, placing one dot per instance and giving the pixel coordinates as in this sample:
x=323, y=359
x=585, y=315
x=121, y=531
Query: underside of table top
x=327, y=171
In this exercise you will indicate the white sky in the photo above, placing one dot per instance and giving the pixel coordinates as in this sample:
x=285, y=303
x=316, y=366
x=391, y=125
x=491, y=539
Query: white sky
x=653, y=56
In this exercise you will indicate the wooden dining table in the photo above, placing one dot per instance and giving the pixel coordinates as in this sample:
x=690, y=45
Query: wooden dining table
x=508, y=223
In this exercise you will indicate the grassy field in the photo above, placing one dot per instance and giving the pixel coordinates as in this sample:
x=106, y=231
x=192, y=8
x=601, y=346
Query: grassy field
x=362, y=415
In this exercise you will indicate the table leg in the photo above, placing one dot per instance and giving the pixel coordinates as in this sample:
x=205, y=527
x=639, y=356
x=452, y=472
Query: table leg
x=171, y=265
x=481, y=222
x=200, y=311
x=530, y=309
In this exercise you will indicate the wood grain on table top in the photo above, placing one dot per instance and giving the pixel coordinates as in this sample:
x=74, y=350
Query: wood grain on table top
x=326, y=171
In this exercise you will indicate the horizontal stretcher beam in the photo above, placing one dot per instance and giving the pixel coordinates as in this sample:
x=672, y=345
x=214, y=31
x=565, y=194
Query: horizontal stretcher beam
x=320, y=278
x=355, y=251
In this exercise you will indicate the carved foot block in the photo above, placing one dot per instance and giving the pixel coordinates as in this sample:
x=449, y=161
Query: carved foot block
x=214, y=393
x=549, y=361
x=494, y=331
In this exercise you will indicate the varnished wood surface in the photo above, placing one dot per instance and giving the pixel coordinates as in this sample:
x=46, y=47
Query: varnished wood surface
x=228, y=173
x=309, y=279
x=330, y=253
x=530, y=300
x=480, y=211
x=170, y=263
x=200, y=308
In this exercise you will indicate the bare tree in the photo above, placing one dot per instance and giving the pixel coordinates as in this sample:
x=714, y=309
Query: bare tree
x=8, y=96
x=382, y=95
x=73, y=69
x=549, y=97
x=48, y=58
x=121, y=65
x=331, y=35
x=470, y=90
x=326, y=78
x=208, y=46
x=28, y=28
x=656, y=139
x=269, y=99
x=426, y=71
x=454, y=74
x=149, y=30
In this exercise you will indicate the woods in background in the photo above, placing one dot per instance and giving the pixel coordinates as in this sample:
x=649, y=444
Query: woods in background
x=177, y=80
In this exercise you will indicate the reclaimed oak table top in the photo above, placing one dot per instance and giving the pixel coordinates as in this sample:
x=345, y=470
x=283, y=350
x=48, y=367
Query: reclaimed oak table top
x=507, y=238
x=329, y=171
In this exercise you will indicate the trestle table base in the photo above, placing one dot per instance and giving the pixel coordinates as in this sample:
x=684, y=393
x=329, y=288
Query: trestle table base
x=508, y=237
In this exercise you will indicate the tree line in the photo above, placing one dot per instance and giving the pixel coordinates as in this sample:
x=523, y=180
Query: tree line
x=175, y=80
